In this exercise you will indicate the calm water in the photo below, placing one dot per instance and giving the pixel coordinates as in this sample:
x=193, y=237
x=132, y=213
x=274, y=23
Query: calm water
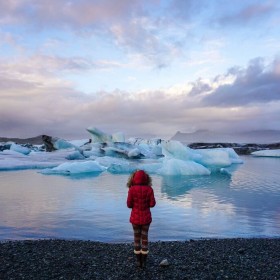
x=246, y=204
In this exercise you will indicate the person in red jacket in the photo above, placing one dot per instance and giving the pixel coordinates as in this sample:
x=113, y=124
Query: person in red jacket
x=140, y=198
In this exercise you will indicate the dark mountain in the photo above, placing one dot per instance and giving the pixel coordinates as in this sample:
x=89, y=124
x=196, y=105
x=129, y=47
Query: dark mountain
x=33, y=140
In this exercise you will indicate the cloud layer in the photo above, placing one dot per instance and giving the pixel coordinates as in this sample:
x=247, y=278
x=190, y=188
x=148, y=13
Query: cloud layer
x=47, y=105
x=147, y=68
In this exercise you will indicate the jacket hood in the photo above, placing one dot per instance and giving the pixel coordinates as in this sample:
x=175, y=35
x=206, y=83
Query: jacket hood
x=140, y=178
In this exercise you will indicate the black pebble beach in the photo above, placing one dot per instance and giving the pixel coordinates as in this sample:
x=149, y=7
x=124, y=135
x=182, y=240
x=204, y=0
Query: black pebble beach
x=255, y=258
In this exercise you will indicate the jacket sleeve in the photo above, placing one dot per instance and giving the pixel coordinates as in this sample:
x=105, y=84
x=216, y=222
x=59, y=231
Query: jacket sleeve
x=129, y=201
x=152, y=199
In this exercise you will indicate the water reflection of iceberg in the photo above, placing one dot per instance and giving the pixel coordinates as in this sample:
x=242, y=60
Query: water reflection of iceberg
x=178, y=186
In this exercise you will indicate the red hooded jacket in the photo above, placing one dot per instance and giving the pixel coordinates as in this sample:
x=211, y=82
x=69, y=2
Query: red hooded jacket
x=140, y=198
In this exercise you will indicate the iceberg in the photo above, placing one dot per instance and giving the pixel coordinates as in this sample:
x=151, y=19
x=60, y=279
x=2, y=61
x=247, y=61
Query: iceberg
x=218, y=157
x=20, y=149
x=118, y=168
x=118, y=137
x=267, y=153
x=175, y=149
x=127, y=167
x=173, y=166
x=104, y=152
x=11, y=160
x=99, y=136
x=75, y=155
x=121, y=149
x=75, y=168
x=107, y=161
x=63, y=144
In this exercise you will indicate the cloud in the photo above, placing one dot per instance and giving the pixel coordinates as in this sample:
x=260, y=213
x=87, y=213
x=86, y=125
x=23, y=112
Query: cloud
x=187, y=9
x=130, y=25
x=159, y=31
x=199, y=87
x=40, y=103
x=256, y=84
x=250, y=13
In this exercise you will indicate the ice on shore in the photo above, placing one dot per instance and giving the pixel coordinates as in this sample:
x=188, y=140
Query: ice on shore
x=113, y=154
x=267, y=153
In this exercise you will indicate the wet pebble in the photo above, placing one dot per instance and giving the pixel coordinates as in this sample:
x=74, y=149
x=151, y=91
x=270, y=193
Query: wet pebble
x=197, y=259
x=164, y=263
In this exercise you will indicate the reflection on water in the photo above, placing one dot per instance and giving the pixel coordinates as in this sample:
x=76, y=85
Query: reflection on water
x=176, y=187
x=93, y=207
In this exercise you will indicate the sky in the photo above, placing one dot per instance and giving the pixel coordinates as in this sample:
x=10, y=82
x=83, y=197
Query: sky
x=147, y=68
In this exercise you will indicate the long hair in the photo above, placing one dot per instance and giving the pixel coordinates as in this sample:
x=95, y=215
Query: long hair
x=130, y=179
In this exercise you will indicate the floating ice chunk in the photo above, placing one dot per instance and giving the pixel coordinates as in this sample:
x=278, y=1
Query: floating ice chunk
x=112, y=151
x=107, y=161
x=75, y=155
x=133, y=153
x=139, y=141
x=157, y=150
x=233, y=155
x=93, y=152
x=220, y=157
x=121, y=168
x=121, y=149
x=127, y=149
x=98, y=135
x=150, y=148
x=149, y=151
x=124, y=166
x=75, y=168
x=20, y=149
x=225, y=171
x=11, y=160
x=57, y=156
x=63, y=144
x=214, y=157
x=79, y=143
x=175, y=149
x=17, y=164
x=267, y=153
x=118, y=137
x=11, y=153
x=145, y=150
x=150, y=167
x=172, y=166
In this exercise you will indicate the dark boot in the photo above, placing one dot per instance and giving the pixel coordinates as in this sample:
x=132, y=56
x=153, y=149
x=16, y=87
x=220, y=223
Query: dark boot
x=138, y=258
x=144, y=258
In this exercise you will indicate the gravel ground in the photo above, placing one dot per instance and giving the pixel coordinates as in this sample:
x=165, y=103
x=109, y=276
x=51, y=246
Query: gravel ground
x=194, y=259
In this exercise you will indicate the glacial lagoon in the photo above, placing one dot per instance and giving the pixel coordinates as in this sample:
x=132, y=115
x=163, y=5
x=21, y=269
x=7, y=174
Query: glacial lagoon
x=93, y=207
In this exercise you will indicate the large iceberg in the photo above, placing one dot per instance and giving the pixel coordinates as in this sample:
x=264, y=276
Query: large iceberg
x=111, y=153
x=173, y=166
x=101, y=137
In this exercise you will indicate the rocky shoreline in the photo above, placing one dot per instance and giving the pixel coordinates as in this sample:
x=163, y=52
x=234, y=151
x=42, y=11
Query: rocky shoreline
x=240, y=149
x=256, y=258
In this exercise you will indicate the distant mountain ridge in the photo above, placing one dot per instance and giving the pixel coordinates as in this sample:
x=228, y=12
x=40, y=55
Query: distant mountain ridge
x=207, y=136
x=199, y=136
x=37, y=140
